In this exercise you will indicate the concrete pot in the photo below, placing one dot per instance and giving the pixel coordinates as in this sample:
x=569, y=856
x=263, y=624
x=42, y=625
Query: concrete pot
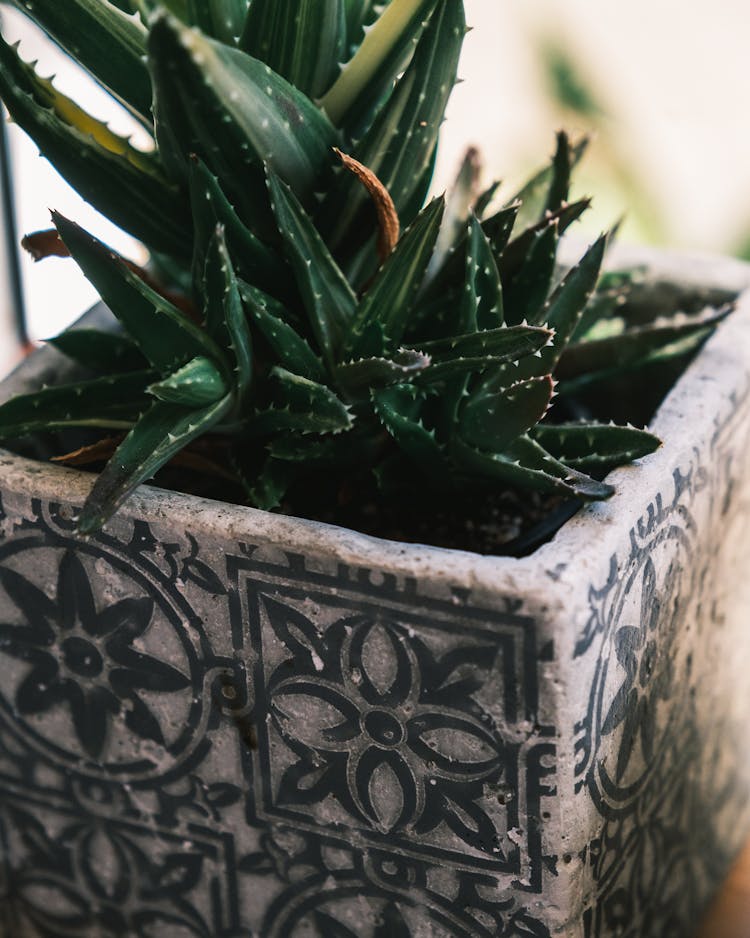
x=218, y=722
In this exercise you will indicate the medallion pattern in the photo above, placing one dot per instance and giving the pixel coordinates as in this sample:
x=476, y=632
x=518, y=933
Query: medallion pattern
x=647, y=754
x=200, y=744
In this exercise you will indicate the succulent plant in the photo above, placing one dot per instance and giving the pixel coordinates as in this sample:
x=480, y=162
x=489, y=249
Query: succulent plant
x=302, y=306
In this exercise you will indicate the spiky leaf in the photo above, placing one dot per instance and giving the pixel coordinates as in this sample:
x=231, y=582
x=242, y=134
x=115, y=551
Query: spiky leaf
x=107, y=352
x=293, y=351
x=373, y=373
x=234, y=112
x=399, y=411
x=482, y=298
x=528, y=465
x=592, y=360
x=253, y=260
x=490, y=422
x=302, y=40
x=303, y=405
x=329, y=300
x=197, y=384
x=379, y=59
x=592, y=447
x=400, y=146
x=106, y=42
x=525, y=293
x=119, y=181
x=547, y=186
x=517, y=251
x=388, y=302
x=136, y=305
x=507, y=343
x=160, y=434
x=114, y=402
x=223, y=303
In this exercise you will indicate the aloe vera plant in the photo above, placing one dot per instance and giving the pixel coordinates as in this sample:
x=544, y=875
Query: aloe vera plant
x=303, y=304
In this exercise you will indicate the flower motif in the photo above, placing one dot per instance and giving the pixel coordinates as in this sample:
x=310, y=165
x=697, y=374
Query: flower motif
x=83, y=656
x=95, y=878
x=648, y=678
x=388, y=730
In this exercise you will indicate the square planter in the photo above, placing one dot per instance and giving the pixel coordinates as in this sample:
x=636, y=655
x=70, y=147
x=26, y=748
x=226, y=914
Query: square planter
x=218, y=722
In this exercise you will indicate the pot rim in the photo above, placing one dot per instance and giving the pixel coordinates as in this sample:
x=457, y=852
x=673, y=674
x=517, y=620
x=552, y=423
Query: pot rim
x=686, y=421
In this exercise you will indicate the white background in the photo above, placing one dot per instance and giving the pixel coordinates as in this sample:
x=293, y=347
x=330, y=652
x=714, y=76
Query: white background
x=673, y=77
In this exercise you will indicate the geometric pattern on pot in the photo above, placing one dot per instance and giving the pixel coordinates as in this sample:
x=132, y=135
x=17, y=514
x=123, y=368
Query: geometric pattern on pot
x=65, y=875
x=640, y=752
x=103, y=660
x=632, y=705
x=377, y=713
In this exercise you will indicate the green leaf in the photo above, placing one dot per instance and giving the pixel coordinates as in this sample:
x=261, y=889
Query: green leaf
x=562, y=166
x=498, y=227
x=504, y=344
x=593, y=447
x=359, y=14
x=222, y=19
x=381, y=372
x=292, y=350
x=377, y=62
x=497, y=230
x=563, y=311
x=400, y=146
x=121, y=182
x=197, y=384
x=389, y=300
x=109, y=44
x=592, y=360
x=352, y=450
x=114, y=402
x=565, y=307
x=482, y=299
x=517, y=250
x=162, y=332
x=485, y=199
x=159, y=435
x=528, y=465
x=399, y=410
x=545, y=187
x=491, y=422
x=328, y=298
x=270, y=485
x=253, y=260
x=305, y=41
x=108, y=352
x=225, y=315
x=235, y=113
x=301, y=404
x=460, y=356
x=459, y=204
x=525, y=294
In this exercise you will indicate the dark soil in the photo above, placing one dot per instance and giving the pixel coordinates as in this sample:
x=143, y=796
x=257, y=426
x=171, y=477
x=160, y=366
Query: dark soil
x=502, y=522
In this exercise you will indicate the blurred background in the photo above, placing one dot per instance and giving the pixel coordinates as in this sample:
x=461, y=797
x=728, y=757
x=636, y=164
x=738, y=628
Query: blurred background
x=662, y=88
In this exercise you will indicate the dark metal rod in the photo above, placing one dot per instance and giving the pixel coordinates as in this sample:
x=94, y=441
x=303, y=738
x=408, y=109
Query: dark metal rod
x=8, y=204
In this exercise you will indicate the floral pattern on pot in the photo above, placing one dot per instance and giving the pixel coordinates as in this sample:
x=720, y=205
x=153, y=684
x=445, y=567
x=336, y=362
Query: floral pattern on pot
x=370, y=706
x=104, y=662
x=648, y=754
x=378, y=718
x=83, y=656
x=282, y=703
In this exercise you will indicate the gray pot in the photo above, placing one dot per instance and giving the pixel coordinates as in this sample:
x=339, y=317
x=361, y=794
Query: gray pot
x=219, y=722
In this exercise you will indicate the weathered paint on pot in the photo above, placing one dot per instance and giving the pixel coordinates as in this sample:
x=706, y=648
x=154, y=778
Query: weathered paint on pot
x=217, y=722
